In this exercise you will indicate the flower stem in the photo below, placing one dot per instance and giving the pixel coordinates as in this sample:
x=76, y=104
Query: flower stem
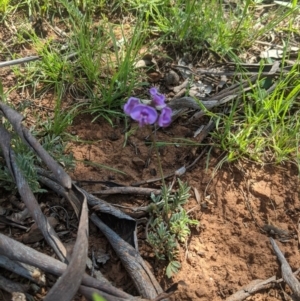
x=153, y=139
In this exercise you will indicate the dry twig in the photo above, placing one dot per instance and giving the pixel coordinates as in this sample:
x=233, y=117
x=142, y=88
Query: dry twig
x=19, y=61
x=128, y=190
x=286, y=271
x=254, y=287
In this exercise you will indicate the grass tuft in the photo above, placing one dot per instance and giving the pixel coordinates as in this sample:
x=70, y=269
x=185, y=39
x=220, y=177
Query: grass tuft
x=264, y=126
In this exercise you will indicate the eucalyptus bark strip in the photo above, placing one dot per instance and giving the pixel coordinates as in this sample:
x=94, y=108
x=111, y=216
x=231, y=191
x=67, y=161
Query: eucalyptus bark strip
x=128, y=190
x=17, y=251
x=67, y=285
x=29, y=272
x=28, y=197
x=19, y=61
x=286, y=271
x=139, y=272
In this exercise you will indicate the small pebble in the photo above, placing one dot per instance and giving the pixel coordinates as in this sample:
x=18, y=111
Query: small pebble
x=138, y=162
x=213, y=257
x=153, y=172
x=113, y=136
x=172, y=78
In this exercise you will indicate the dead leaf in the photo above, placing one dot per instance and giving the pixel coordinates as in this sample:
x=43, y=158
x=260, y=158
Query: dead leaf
x=101, y=256
x=34, y=234
x=154, y=77
x=272, y=53
x=197, y=195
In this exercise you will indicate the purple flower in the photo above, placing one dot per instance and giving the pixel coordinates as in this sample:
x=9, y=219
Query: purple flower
x=143, y=114
x=148, y=113
x=153, y=91
x=158, y=100
x=165, y=117
x=130, y=104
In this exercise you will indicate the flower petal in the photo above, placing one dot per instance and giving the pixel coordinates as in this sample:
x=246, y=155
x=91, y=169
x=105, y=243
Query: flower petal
x=144, y=114
x=165, y=117
x=130, y=104
x=159, y=101
x=153, y=91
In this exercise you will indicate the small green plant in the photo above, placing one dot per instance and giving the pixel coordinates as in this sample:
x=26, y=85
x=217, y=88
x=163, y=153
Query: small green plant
x=27, y=161
x=169, y=225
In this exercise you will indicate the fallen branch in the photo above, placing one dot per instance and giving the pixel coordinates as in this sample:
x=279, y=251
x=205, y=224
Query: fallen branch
x=252, y=288
x=128, y=190
x=62, y=290
x=286, y=271
x=27, y=271
x=26, y=194
x=19, y=61
x=141, y=275
x=129, y=224
x=12, y=286
x=60, y=181
x=19, y=252
x=256, y=286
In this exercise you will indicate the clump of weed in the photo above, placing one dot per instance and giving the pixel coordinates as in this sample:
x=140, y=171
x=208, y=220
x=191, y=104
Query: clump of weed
x=264, y=126
x=3, y=5
x=27, y=161
x=169, y=225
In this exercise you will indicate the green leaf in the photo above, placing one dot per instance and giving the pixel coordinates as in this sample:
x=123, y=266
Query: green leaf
x=173, y=268
x=97, y=297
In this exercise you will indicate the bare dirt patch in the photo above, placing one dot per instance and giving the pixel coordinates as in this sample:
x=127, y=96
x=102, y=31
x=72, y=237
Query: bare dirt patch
x=230, y=248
